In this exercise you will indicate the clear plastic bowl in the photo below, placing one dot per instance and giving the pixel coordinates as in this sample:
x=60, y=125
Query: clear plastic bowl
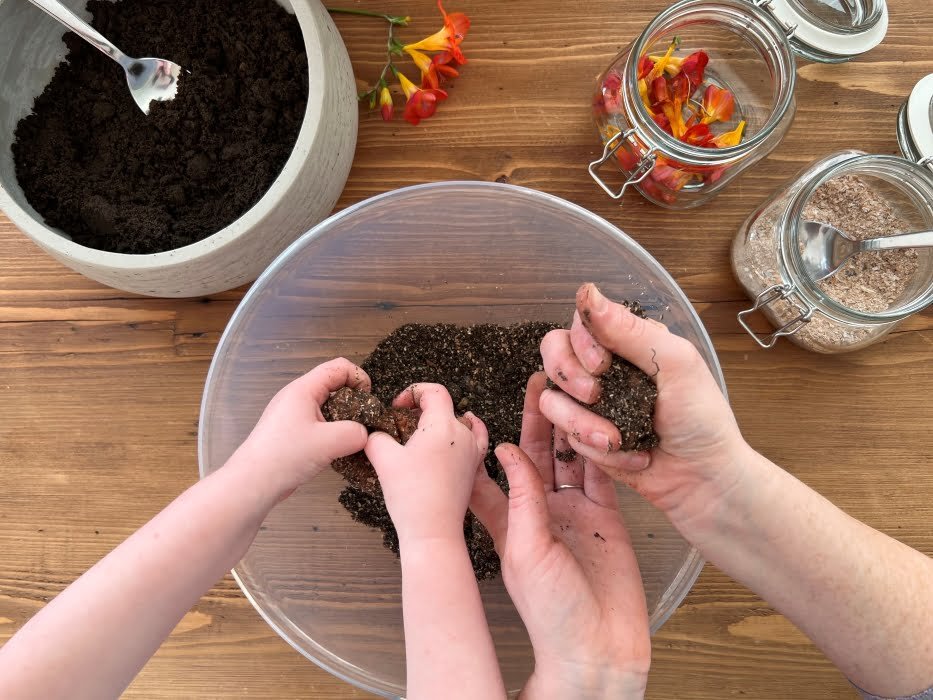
x=457, y=252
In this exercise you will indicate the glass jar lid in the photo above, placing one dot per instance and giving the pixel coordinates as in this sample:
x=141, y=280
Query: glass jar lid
x=915, y=123
x=831, y=28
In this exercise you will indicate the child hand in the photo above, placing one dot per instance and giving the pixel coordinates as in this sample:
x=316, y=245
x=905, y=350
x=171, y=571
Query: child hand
x=699, y=460
x=568, y=564
x=427, y=482
x=292, y=441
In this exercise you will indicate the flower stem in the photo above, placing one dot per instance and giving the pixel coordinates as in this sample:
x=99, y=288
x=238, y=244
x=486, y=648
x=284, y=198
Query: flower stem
x=391, y=19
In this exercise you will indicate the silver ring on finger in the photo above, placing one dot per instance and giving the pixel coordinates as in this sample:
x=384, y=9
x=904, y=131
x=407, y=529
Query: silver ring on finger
x=568, y=486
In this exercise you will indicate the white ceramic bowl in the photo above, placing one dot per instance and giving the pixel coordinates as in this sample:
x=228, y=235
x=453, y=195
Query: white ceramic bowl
x=302, y=195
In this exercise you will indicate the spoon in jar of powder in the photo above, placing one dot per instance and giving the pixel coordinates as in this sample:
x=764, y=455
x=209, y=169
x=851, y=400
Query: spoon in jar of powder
x=824, y=248
x=148, y=78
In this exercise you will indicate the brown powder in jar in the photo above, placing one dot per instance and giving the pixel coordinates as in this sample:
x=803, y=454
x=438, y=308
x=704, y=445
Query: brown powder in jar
x=867, y=282
x=870, y=282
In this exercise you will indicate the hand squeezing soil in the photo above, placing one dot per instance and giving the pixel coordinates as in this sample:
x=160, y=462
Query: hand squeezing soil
x=359, y=406
x=485, y=369
x=363, y=497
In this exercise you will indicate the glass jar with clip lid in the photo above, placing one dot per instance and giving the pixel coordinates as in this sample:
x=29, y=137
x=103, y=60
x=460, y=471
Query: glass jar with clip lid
x=707, y=90
x=866, y=197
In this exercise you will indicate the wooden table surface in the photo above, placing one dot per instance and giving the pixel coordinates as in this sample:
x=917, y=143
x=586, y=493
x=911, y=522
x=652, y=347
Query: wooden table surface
x=99, y=390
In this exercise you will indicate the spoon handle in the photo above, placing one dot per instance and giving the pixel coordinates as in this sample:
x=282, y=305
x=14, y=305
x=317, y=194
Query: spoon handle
x=81, y=28
x=921, y=239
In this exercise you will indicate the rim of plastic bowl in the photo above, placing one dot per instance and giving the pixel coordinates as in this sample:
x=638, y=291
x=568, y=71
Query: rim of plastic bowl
x=689, y=571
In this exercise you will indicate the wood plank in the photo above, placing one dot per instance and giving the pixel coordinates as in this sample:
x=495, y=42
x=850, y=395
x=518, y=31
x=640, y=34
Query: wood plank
x=100, y=390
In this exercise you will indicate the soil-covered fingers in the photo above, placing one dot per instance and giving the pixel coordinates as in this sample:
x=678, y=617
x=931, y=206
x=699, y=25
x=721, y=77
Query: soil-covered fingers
x=537, y=431
x=594, y=357
x=429, y=398
x=593, y=436
x=332, y=375
x=529, y=517
x=645, y=343
x=579, y=422
x=564, y=368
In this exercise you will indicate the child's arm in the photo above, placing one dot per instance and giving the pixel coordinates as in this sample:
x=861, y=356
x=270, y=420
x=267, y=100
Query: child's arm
x=91, y=640
x=427, y=486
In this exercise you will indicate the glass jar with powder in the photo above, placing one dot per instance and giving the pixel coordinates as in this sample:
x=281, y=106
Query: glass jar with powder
x=865, y=196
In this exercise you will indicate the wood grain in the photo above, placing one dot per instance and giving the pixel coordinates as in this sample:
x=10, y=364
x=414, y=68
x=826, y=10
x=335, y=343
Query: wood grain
x=99, y=391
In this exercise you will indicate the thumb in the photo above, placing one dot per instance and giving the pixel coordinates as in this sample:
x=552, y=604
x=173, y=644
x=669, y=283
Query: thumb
x=380, y=449
x=491, y=506
x=341, y=438
x=529, y=517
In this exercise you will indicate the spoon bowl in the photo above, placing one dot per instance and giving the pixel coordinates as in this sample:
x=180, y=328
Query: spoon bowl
x=824, y=248
x=148, y=78
x=151, y=79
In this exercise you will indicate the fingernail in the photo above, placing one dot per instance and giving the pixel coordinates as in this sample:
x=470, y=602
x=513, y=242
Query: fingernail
x=635, y=461
x=600, y=441
x=598, y=302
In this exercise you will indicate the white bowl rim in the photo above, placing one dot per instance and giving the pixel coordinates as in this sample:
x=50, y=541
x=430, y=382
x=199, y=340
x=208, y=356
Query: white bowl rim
x=49, y=238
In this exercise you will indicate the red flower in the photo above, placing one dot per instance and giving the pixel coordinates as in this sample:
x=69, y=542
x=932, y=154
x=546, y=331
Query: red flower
x=662, y=121
x=693, y=68
x=385, y=103
x=698, y=135
x=612, y=93
x=448, y=38
x=645, y=64
x=658, y=92
x=422, y=102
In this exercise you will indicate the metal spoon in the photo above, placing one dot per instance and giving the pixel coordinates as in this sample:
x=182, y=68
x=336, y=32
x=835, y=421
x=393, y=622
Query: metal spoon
x=824, y=248
x=149, y=78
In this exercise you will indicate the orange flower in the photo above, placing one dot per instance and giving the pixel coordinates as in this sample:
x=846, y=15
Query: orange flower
x=442, y=65
x=698, y=135
x=672, y=178
x=385, y=103
x=661, y=62
x=422, y=102
x=730, y=138
x=449, y=38
x=718, y=105
x=433, y=68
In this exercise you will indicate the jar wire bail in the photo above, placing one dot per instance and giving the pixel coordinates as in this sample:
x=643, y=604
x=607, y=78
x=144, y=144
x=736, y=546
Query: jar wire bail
x=641, y=171
x=769, y=296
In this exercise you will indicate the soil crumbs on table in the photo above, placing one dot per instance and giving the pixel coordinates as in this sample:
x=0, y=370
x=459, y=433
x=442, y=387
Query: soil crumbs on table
x=485, y=368
x=93, y=165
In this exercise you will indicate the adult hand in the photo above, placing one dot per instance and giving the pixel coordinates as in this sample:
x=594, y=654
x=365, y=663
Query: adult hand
x=427, y=481
x=568, y=564
x=701, y=452
x=292, y=440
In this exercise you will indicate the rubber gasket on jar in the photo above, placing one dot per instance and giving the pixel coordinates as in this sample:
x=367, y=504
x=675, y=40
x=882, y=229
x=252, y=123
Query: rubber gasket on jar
x=842, y=43
x=918, y=117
